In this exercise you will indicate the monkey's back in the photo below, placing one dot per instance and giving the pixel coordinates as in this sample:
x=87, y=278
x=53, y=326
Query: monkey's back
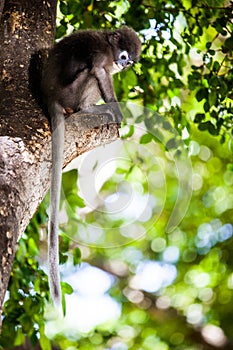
x=76, y=52
x=70, y=57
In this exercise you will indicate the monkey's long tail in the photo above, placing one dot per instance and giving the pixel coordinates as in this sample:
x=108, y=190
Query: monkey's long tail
x=58, y=131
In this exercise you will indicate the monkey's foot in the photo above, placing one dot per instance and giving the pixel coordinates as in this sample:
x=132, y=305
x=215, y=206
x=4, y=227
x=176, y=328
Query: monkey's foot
x=68, y=110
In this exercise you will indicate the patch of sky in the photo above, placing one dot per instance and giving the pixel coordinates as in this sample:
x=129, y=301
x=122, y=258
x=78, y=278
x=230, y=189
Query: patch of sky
x=209, y=234
x=152, y=275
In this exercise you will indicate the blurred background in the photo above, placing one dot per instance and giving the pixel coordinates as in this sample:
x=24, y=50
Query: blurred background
x=146, y=247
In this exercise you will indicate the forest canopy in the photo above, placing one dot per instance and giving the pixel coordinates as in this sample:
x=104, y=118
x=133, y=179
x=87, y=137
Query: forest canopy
x=147, y=219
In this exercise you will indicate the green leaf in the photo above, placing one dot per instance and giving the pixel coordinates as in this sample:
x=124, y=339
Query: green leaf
x=212, y=98
x=75, y=201
x=66, y=288
x=229, y=43
x=157, y=135
x=120, y=170
x=216, y=66
x=61, y=31
x=77, y=256
x=199, y=117
x=64, y=8
x=129, y=133
x=202, y=94
x=208, y=126
x=214, y=81
x=32, y=247
x=63, y=258
x=224, y=89
x=223, y=139
x=20, y=337
x=206, y=106
x=194, y=78
x=26, y=322
x=69, y=181
x=171, y=144
x=44, y=341
x=211, y=52
x=140, y=118
x=146, y=139
x=130, y=79
x=219, y=27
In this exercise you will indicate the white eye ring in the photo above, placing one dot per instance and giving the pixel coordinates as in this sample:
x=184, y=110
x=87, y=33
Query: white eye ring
x=124, y=56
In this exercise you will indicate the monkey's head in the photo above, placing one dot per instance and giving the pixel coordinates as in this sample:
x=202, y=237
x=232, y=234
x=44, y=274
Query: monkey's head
x=126, y=47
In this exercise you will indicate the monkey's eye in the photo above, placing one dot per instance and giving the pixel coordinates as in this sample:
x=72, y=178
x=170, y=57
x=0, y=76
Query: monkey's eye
x=124, y=56
x=124, y=60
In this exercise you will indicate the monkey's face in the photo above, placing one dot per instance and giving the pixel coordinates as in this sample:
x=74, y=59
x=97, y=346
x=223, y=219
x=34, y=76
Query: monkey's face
x=126, y=48
x=123, y=61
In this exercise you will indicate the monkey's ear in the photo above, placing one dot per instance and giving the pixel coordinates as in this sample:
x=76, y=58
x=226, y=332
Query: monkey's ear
x=114, y=37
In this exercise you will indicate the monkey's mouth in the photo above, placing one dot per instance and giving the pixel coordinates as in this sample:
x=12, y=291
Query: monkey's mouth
x=119, y=66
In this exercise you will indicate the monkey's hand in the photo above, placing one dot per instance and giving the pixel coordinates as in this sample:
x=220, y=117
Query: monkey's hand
x=114, y=106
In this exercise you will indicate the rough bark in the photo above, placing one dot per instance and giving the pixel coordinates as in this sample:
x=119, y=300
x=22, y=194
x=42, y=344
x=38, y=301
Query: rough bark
x=26, y=28
x=1, y=7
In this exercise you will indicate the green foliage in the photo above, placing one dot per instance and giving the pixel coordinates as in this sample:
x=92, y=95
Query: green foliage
x=184, y=87
x=28, y=291
x=186, y=52
x=69, y=187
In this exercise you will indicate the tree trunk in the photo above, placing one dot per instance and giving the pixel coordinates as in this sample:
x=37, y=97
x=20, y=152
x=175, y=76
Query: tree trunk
x=27, y=27
x=1, y=7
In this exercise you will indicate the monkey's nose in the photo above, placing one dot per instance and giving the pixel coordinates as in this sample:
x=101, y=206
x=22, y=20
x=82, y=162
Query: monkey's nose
x=126, y=63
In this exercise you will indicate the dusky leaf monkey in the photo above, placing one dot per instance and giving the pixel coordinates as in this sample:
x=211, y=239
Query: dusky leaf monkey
x=75, y=76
